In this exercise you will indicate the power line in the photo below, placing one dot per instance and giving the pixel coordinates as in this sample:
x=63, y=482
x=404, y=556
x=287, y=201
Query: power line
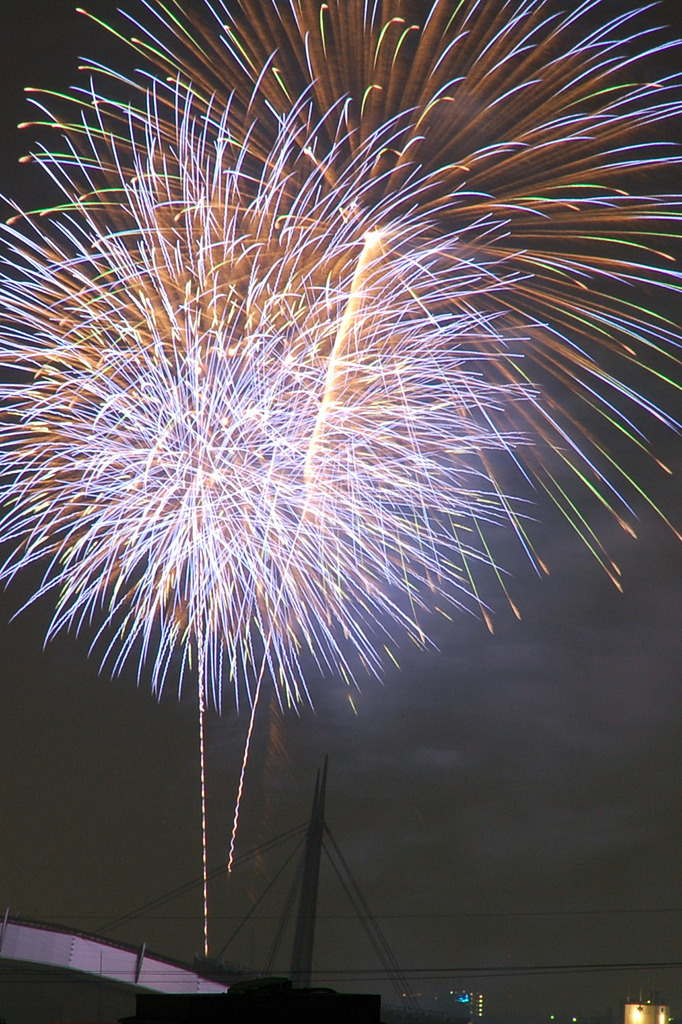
x=441, y=916
x=471, y=972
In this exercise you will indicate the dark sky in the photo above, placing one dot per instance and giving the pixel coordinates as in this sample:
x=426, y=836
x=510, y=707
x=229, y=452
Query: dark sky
x=510, y=801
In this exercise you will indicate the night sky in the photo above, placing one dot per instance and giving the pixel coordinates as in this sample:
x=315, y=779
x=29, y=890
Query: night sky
x=506, y=802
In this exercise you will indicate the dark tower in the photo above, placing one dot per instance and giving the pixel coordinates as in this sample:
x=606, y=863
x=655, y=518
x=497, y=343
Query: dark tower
x=304, y=937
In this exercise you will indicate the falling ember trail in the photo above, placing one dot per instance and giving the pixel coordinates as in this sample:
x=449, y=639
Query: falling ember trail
x=202, y=773
x=333, y=379
x=242, y=774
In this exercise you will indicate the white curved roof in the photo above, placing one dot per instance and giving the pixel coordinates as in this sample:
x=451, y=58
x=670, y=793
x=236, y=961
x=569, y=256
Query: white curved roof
x=33, y=942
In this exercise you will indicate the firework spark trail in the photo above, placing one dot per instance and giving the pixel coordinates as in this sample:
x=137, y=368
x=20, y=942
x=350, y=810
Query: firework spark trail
x=331, y=273
x=201, y=687
x=242, y=773
x=334, y=372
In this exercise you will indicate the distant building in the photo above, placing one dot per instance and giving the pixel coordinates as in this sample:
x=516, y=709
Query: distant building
x=470, y=1004
x=646, y=1012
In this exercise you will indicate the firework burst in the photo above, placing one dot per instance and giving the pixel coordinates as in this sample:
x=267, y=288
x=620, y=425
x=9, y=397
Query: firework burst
x=244, y=416
x=327, y=266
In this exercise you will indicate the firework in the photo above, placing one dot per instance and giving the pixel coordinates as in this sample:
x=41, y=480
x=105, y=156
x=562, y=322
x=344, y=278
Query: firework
x=329, y=269
x=241, y=418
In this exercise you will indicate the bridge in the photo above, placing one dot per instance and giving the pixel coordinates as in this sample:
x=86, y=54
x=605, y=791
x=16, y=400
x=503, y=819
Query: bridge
x=35, y=942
